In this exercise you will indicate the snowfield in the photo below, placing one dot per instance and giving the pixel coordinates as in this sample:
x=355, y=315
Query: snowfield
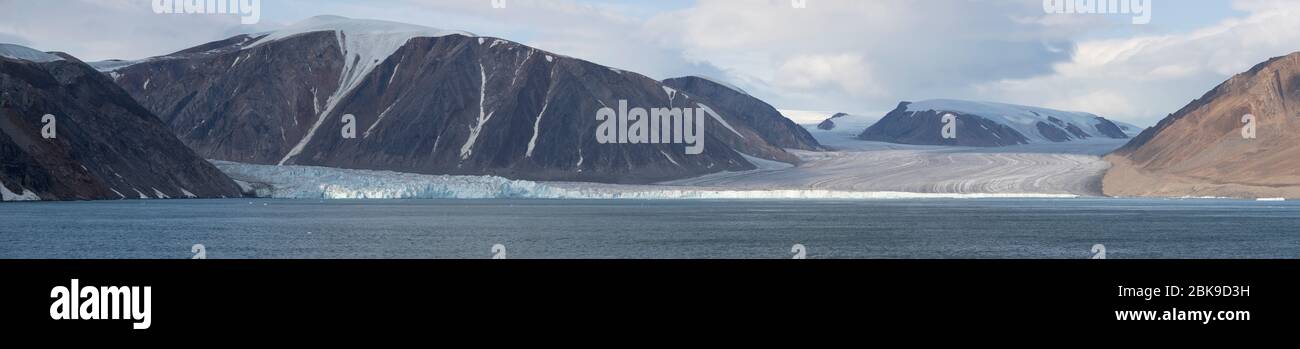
x=1024, y=119
x=306, y=182
x=1068, y=168
x=916, y=169
x=859, y=170
x=26, y=54
x=847, y=128
x=6, y=195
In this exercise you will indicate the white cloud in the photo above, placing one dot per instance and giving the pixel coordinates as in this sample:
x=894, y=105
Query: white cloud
x=1142, y=79
x=847, y=55
x=864, y=55
x=103, y=29
x=809, y=73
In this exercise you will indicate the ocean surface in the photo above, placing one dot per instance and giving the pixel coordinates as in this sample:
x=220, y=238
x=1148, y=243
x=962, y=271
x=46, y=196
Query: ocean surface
x=932, y=228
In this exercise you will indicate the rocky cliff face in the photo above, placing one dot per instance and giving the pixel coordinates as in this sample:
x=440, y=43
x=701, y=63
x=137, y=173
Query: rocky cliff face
x=1200, y=150
x=986, y=124
x=104, y=144
x=430, y=101
x=829, y=123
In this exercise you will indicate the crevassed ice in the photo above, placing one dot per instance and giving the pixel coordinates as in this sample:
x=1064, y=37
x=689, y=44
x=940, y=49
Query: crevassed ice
x=308, y=182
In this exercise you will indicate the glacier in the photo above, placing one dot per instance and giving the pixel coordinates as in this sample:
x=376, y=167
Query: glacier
x=310, y=182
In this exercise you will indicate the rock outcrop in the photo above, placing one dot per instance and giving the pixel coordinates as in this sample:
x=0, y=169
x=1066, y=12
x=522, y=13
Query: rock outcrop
x=96, y=143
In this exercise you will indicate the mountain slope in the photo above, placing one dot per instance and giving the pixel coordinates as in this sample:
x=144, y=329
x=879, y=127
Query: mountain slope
x=106, y=146
x=775, y=128
x=425, y=101
x=988, y=124
x=829, y=123
x=1200, y=151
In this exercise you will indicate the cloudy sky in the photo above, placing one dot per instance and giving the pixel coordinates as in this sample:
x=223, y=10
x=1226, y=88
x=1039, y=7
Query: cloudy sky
x=834, y=55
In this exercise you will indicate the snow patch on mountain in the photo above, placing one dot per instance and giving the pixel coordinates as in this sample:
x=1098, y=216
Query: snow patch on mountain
x=365, y=44
x=25, y=53
x=719, y=119
x=846, y=131
x=1129, y=129
x=724, y=84
x=27, y=195
x=109, y=66
x=388, y=36
x=307, y=182
x=483, y=115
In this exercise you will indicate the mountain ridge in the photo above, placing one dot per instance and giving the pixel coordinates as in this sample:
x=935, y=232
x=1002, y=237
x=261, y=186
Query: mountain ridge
x=989, y=124
x=449, y=104
x=1200, y=150
x=104, y=145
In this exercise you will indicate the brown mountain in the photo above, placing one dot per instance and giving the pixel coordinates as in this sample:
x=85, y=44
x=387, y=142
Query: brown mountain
x=1200, y=150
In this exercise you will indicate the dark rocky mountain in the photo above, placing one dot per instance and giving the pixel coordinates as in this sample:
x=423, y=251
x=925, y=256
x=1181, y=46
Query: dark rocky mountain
x=1200, y=150
x=987, y=124
x=752, y=112
x=434, y=102
x=829, y=123
x=105, y=145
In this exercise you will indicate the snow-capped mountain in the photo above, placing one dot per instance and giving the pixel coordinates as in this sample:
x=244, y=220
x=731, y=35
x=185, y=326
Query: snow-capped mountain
x=1202, y=150
x=425, y=101
x=104, y=144
x=988, y=124
x=23, y=53
x=837, y=130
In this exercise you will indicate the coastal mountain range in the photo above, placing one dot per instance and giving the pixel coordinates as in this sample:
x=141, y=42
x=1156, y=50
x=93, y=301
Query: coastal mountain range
x=444, y=103
x=433, y=101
